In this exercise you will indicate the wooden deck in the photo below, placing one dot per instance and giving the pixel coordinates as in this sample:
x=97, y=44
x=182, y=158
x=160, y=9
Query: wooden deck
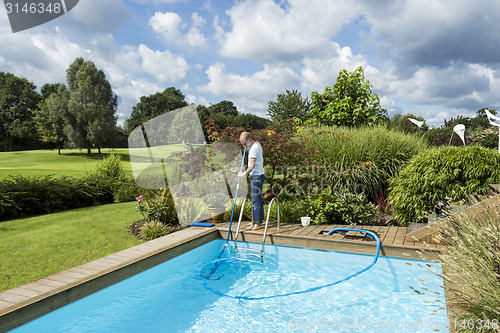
x=393, y=239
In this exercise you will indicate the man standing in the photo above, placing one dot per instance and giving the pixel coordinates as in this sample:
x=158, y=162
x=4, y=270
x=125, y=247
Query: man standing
x=256, y=171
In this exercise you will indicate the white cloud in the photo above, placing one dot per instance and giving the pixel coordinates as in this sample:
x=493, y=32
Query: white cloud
x=268, y=81
x=169, y=25
x=130, y=91
x=197, y=100
x=194, y=36
x=39, y=57
x=320, y=71
x=265, y=31
x=164, y=66
x=250, y=93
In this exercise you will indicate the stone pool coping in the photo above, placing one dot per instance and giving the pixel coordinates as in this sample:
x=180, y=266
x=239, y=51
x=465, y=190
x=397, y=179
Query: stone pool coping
x=30, y=301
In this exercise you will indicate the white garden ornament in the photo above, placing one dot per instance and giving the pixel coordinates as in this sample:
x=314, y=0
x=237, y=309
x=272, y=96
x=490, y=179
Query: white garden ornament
x=492, y=118
x=416, y=122
x=460, y=130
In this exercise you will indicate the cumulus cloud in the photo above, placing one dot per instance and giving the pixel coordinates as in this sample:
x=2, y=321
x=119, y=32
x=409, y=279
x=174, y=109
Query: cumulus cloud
x=39, y=57
x=318, y=72
x=250, y=93
x=169, y=25
x=436, y=33
x=130, y=91
x=265, y=31
x=164, y=66
x=268, y=81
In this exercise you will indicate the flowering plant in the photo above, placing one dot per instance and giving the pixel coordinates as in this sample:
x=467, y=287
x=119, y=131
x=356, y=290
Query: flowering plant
x=141, y=207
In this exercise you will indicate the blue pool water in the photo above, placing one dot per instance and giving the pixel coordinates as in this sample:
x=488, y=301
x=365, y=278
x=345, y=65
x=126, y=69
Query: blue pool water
x=395, y=295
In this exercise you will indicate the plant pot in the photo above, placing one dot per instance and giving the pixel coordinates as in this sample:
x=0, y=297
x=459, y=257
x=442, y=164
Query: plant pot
x=270, y=194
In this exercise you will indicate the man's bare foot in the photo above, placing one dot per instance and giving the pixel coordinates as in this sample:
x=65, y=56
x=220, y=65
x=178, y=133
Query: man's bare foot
x=254, y=227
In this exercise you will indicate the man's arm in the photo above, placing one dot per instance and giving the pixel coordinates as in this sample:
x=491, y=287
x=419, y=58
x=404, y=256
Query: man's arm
x=251, y=166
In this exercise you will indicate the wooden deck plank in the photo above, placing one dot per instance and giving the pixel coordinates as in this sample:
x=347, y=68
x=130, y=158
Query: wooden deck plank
x=400, y=236
x=321, y=233
x=375, y=229
x=338, y=235
x=326, y=229
x=390, y=235
x=382, y=232
x=313, y=230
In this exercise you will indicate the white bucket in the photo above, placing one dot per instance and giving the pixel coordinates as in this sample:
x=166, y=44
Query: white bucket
x=306, y=220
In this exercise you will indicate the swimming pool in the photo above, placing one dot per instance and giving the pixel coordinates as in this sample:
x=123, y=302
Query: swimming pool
x=395, y=295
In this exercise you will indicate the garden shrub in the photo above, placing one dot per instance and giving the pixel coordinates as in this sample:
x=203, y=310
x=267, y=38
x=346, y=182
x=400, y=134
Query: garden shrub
x=27, y=196
x=471, y=266
x=111, y=167
x=290, y=211
x=127, y=191
x=158, y=205
x=487, y=137
x=331, y=207
x=445, y=173
x=154, y=229
x=359, y=159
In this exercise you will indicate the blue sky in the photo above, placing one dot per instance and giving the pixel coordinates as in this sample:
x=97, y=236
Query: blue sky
x=436, y=59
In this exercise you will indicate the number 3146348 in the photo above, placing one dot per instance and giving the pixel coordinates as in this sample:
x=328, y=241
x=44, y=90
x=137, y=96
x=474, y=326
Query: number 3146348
x=34, y=8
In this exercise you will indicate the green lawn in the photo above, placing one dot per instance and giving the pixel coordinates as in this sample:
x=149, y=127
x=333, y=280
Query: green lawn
x=72, y=162
x=36, y=247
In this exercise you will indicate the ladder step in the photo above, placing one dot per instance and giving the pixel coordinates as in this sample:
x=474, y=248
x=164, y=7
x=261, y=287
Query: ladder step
x=251, y=254
x=252, y=260
x=246, y=249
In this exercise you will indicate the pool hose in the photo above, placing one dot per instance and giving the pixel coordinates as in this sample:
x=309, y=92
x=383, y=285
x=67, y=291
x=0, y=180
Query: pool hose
x=219, y=261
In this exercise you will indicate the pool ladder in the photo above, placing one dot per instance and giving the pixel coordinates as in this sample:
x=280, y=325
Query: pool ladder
x=250, y=253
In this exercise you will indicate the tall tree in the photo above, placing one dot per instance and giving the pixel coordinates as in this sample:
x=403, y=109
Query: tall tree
x=91, y=117
x=251, y=121
x=154, y=105
x=51, y=113
x=222, y=113
x=289, y=105
x=349, y=102
x=18, y=100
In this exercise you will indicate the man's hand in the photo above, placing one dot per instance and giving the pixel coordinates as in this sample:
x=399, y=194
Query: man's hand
x=241, y=174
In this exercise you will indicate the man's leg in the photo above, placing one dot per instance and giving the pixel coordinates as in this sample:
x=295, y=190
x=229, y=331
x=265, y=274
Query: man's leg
x=256, y=183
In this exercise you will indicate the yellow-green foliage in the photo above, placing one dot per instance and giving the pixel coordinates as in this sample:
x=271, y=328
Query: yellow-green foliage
x=472, y=266
x=439, y=174
x=364, y=157
x=154, y=229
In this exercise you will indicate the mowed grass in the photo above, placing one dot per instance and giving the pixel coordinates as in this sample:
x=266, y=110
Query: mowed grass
x=36, y=247
x=72, y=162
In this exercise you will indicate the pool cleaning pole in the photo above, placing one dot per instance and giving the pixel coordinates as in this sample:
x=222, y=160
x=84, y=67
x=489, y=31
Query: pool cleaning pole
x=236, y=195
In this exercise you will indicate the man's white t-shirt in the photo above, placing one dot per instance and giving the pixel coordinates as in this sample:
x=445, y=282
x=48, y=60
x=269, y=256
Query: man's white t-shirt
x=256, y=152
